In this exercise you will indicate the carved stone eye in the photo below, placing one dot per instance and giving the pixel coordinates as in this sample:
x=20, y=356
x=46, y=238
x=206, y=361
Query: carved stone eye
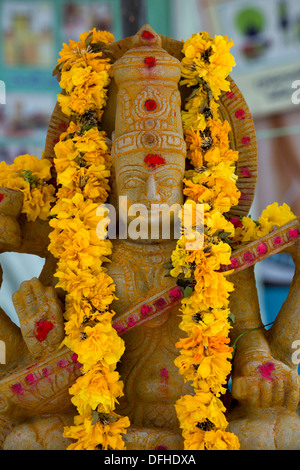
x=169, y=182
x=132, y=184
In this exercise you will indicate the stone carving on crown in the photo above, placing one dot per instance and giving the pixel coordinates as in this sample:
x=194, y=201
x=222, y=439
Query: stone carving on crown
x=143, y=117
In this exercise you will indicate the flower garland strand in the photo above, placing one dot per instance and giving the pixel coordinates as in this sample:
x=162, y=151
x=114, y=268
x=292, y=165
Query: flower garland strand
x=205, y=355
x=204, y=358
x=82, y=164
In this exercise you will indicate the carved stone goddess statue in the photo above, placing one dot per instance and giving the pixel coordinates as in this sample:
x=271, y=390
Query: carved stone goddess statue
x=143, y=119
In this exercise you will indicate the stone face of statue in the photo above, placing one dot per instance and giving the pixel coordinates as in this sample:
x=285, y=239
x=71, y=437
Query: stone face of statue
x=148, y=152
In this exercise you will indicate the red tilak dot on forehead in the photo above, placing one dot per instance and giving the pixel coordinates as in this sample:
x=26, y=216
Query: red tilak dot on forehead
x=153, y=161
x=148, y=35
x=150, y=62
x=150, y=105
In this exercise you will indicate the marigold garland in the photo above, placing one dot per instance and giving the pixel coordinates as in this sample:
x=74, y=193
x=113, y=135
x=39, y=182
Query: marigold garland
x=205, y=355
x=82, y=163
x=82, y=169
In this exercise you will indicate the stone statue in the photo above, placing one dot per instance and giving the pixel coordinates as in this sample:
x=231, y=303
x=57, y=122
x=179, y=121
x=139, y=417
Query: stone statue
x=143, y=119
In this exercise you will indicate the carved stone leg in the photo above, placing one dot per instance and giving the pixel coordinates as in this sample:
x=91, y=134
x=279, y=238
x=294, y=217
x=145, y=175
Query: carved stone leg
x=152, y=439
x=40, y=434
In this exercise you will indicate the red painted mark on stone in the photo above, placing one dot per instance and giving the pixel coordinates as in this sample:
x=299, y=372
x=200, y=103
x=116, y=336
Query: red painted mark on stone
x=293, y=233
x=43, y=327
x=148, y=35
x=262, y=249
x=160, y=303
x=175, y=294
x=150, y=105
x=1, y=197
x=246, y=172
x=63, y=363
x=278, y=241
x=30, y=379
x=164, y=374
x=18, y=389
x=240, y=114
x=154, y=160
x=266, y=369
x=150, y=62
x=246, y=140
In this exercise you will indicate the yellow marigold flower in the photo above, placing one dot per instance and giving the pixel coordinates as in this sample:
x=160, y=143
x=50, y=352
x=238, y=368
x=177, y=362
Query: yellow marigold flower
x=98, y=390
x=209, y=59
x=97, y=36
x=39, y=168
x=276, y=215
x=90, y=436
x=193, y=120
x=92, y=140
x=216, y=222
x=220, y=440
x=248, y=232
x=100, y=343
x=194, y=440
x=194, y=152
x=197, y=192
x=37, y=202
x=193, y=410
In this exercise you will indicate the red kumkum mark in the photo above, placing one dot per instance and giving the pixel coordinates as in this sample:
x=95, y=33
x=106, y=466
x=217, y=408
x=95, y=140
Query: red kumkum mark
x=246, y=173
x=150, y=105
x=246, y=140
x=175, y=294
x=18, y=389
x=43, y=327
x=262, y=249
x=146, y=310
x=240, y=114
x=248, y=257
x=266, y=369
x=277, y=241
x=153, y=161
x=148, y=35
x=293, y=233
x=231, y=95
x=62, y=363
x=164, y=374
x=1, y=197
x=234, y=263
x=160, y=303
x=150, y=62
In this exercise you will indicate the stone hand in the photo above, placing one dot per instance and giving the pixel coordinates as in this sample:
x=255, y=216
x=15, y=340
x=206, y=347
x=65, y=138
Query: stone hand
x=263, y=382
x=41, y=318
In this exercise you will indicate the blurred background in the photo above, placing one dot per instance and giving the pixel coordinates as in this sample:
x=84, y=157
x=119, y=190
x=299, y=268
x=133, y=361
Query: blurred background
x=267, y=52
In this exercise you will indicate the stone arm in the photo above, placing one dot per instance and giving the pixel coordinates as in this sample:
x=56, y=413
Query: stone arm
x=262, y=377
x=16, y=233
x=286, y=328
x=38, y=307
x=244, y=305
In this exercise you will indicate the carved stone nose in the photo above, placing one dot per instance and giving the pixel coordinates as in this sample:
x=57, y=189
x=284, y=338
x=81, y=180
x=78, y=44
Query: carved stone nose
x=151, y=189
